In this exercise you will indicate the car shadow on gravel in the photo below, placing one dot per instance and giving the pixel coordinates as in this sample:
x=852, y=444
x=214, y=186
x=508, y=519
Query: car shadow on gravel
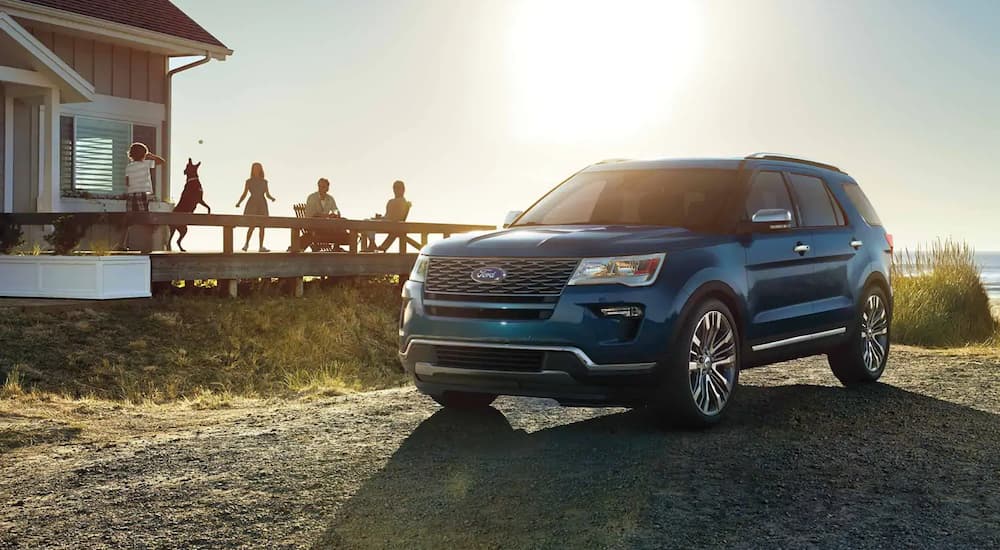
x=793, y=466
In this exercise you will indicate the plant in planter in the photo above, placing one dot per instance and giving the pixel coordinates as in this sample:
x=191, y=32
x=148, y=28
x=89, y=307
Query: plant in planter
x=11, y=236
x=96, y=276
x=66, y=234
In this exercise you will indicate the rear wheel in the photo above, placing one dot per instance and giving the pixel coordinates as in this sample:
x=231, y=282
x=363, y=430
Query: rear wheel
x=464, y=400
x=701, y=371
x=862, y=358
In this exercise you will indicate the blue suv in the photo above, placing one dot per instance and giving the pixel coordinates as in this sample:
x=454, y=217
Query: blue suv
x=652, y=284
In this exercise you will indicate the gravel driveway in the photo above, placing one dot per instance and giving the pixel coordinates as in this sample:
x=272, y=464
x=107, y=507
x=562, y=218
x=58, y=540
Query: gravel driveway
x=800, y=462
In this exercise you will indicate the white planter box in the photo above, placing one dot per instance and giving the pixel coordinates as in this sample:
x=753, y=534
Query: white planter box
x=86, y=277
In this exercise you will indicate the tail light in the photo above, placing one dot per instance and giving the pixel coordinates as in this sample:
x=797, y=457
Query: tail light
x=888, y=240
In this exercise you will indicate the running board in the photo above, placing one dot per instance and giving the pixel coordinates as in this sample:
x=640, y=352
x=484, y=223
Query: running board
x=799, y=339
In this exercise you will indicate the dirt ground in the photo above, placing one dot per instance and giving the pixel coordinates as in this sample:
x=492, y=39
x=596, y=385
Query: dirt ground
x=801, y=462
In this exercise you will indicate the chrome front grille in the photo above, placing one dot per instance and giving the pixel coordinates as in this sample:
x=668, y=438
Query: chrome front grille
x=524, y=276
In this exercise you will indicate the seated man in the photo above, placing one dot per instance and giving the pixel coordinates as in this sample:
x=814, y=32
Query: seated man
x=322, y=205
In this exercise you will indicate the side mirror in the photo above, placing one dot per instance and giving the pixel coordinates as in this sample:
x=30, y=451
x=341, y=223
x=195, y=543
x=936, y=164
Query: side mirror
x=510, y=217
x=771, y=218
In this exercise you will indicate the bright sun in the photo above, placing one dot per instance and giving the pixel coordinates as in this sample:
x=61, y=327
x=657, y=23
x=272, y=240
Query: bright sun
x=587, y=70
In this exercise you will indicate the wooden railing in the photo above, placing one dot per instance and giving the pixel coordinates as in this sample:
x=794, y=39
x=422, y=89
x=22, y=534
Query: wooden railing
x=409, y=234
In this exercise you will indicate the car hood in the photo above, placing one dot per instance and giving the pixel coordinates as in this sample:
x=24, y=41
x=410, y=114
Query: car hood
x=570, y=241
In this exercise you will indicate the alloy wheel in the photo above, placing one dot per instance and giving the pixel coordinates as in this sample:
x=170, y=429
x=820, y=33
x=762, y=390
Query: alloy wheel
x=712, y=362
x=874, y=332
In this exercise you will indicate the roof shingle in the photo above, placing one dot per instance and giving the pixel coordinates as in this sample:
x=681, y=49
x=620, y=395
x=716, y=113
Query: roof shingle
x=153, y=15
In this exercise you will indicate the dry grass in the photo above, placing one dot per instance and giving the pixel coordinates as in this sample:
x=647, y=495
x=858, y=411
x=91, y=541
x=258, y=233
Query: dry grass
x=939, y=297
x=208, y=350
x=12, y=385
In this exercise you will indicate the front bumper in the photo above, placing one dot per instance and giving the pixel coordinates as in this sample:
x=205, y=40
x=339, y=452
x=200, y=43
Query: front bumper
x=587, y=358
x=564, y=373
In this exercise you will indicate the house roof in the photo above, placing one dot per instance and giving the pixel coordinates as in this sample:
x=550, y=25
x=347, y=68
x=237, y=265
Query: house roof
x=152, y=15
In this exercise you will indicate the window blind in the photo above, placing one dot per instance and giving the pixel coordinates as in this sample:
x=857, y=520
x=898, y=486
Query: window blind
x=100, y=154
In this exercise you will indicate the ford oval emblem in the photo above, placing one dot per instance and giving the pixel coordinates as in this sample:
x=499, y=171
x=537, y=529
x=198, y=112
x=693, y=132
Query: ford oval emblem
x=489, y=275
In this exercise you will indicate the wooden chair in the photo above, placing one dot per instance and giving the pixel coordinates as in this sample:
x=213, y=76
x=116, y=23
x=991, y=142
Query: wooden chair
x=309, y=239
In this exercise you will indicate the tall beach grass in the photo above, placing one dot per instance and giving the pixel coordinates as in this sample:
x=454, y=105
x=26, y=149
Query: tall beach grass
x=939, y=297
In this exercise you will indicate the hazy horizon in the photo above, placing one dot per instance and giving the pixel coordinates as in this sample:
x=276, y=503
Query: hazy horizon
x=483, y=106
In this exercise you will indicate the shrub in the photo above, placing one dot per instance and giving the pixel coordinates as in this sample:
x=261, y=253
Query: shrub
x=939, y=297
x=11, y=236
x=66, y=234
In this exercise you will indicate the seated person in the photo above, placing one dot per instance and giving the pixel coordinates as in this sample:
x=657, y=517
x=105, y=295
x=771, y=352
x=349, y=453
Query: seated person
x=396, y=210
x=322, y=205
x=398, y=207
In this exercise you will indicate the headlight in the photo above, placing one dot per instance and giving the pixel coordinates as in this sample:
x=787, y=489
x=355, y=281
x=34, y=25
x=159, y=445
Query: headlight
x=419, y=272
x=622, y=270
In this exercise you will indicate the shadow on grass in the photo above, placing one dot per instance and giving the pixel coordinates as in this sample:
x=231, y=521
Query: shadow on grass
x=791, y=466
x=16, y=435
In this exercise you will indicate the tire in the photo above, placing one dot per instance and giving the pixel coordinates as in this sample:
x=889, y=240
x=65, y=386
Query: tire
x=464, y=400
x=862, y=358
x=697, y=383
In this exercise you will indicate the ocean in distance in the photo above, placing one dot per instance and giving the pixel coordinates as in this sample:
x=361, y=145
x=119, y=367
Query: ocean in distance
x=989, y=266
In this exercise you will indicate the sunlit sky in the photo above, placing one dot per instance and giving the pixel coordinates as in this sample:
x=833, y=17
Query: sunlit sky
x=481, y=106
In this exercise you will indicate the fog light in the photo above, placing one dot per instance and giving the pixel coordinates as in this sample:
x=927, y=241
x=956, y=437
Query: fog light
x=624, y=312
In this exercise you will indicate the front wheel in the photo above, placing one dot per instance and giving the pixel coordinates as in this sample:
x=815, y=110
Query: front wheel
x=862, y=358
x=702, y=370
x=464, y=400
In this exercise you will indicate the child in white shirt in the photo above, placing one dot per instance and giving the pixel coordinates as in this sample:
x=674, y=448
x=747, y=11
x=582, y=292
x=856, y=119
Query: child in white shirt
x=138, y=181
x=139, y=185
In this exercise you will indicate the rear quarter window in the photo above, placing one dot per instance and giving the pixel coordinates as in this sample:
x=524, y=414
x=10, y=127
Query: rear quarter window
x=862, y=204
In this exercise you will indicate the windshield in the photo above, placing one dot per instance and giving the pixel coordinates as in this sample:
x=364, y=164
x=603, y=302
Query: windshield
x=691, y=198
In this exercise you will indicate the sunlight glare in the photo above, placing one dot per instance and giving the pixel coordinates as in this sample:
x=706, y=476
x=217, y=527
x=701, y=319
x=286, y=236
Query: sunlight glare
x=589, y=70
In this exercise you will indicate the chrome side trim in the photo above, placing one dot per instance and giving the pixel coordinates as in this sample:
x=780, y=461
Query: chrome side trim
x=799, y=339
x=592, y=367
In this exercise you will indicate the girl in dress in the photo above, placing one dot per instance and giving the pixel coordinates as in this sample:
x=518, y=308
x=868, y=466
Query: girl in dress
x=256, y=187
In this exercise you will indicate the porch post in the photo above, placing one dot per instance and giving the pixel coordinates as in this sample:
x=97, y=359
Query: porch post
x=49, y=199
x=8, y=155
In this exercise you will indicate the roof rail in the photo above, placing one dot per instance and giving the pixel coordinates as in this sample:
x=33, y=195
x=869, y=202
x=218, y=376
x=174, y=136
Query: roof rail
x=789, y=158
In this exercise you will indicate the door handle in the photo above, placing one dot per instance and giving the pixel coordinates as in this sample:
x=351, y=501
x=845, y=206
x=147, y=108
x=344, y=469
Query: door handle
x=856, y=244
x=801, y=248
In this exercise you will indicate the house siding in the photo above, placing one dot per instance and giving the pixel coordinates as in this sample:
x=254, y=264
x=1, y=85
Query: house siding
x=25, y=161
x=3, y=149
x=114, y=70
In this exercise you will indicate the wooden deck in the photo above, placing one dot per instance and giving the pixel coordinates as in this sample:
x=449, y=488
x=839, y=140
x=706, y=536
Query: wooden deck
x=228, y=266
x=178, y=266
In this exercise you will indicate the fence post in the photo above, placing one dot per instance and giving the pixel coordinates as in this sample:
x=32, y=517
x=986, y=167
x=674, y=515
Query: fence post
x=227, y=239
x=229, y=287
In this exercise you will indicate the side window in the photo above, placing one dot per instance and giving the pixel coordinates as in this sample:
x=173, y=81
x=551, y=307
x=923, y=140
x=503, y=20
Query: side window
x=862, y=204
x=768, y=191
x=816, y=207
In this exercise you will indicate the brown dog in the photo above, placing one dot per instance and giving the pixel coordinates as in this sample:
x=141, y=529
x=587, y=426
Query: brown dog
x=191, y=197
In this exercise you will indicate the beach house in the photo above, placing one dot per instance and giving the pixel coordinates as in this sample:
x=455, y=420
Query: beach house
x=79, y=81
